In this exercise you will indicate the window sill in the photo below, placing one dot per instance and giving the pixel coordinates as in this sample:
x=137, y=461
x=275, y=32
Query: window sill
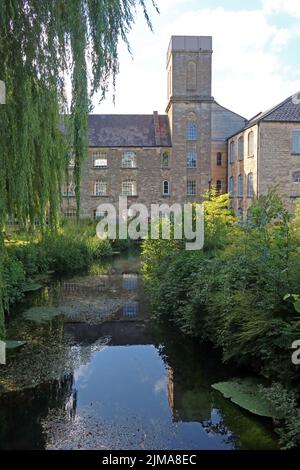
x=295, y=153
x=100, y=195
x=129, y=168
x=99, y=167
x=250, y=156
x=166, y=195
x=132, y=195
x=69, y=196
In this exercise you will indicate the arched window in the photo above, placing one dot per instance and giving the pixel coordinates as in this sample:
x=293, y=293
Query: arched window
x=165, y=160
x=191, y=82
x=241, y=148
x=231, y=152
x=231, y=186
x=219, y=186
x=191, y=131
x=250, y=188
x=166, y=188
x=251, y=144
x=240, y=186
x=296, y=177
x=219, y=159
x=296, y=141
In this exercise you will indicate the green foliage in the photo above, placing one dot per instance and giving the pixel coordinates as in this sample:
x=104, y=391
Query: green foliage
x=286, y=403
x=233, y=296
x=246, y=393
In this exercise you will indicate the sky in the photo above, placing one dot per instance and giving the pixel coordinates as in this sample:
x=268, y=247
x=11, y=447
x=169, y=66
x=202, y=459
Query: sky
x=256, y=54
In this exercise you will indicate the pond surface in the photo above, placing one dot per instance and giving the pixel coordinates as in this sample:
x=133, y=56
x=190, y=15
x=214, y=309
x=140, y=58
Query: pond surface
x=103, y=376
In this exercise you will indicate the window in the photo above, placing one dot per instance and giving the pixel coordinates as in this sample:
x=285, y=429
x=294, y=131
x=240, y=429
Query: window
x=130, y=282
x=99, y=159
x=131, y=308
x=296, y=141
x=166, y=188
x=128, y=160
x=70, y=213
x=219, y=159
x=191, y=82
x=219, y=186
x=99, y=214
x=231, y=186
x=251, y=144
x=191, y=133
x=69, y=190
x=191, y=160
x=296, y=177
x=231, y=152
x=129, y=188
x=165, y=160
x=240, y=186
x=241, y=148
x=191, y=188
x=250, y=189
x=100, y=188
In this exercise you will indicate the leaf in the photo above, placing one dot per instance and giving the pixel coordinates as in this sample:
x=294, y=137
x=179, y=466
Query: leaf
x=297, y=306
x=31, y=287
x=41, y=315
x=245, y=393
x=13, y=344
x=287, y=296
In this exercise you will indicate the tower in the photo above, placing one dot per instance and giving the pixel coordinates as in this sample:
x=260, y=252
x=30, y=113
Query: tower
x=189, y=61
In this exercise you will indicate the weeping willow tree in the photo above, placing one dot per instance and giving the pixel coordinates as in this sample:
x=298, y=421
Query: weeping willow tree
x=44, y=45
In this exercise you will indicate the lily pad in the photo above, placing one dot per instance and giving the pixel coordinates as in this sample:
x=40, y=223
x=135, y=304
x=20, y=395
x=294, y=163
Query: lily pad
x=246, y=394
x=41, y=315
x=31, y=286
x=13, y=344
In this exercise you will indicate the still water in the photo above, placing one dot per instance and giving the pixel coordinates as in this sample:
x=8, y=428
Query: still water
x=104, y=376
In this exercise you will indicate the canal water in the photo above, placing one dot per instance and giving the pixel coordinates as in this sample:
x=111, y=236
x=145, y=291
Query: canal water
x=104, y=376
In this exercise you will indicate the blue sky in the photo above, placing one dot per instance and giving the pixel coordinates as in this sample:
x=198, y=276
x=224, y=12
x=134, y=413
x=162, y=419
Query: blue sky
x=255, y=62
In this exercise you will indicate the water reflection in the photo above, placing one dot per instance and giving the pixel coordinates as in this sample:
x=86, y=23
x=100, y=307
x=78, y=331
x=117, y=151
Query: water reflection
x=131, y=308
x=119, y=382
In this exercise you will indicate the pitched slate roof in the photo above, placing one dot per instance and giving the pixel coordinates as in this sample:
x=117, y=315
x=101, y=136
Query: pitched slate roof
x=129, y=130
x=287, y=110
x=224, y=122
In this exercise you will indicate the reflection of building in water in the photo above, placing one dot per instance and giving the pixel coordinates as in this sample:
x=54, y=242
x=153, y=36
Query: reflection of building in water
x=130, y=281
x=131, y=308
x=186, y=404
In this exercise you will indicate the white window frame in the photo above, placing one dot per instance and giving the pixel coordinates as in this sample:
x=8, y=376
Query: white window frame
x=129, y=188
x=251, y=144
x=250, y=187
x=99, y=159
x=241, y=149
x=231, y=186
x=69, y=190
x=231, y=152
x=296, y=141
x=240, y=186
x=191, y=131
x=296, y=177
x=100, y=188
x=191, y=159
x=129, y=160
x=191, y=188
x=166, y=193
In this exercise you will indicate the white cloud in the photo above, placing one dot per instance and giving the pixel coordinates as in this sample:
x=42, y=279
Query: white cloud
x=248, y=72
x=291, y=7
